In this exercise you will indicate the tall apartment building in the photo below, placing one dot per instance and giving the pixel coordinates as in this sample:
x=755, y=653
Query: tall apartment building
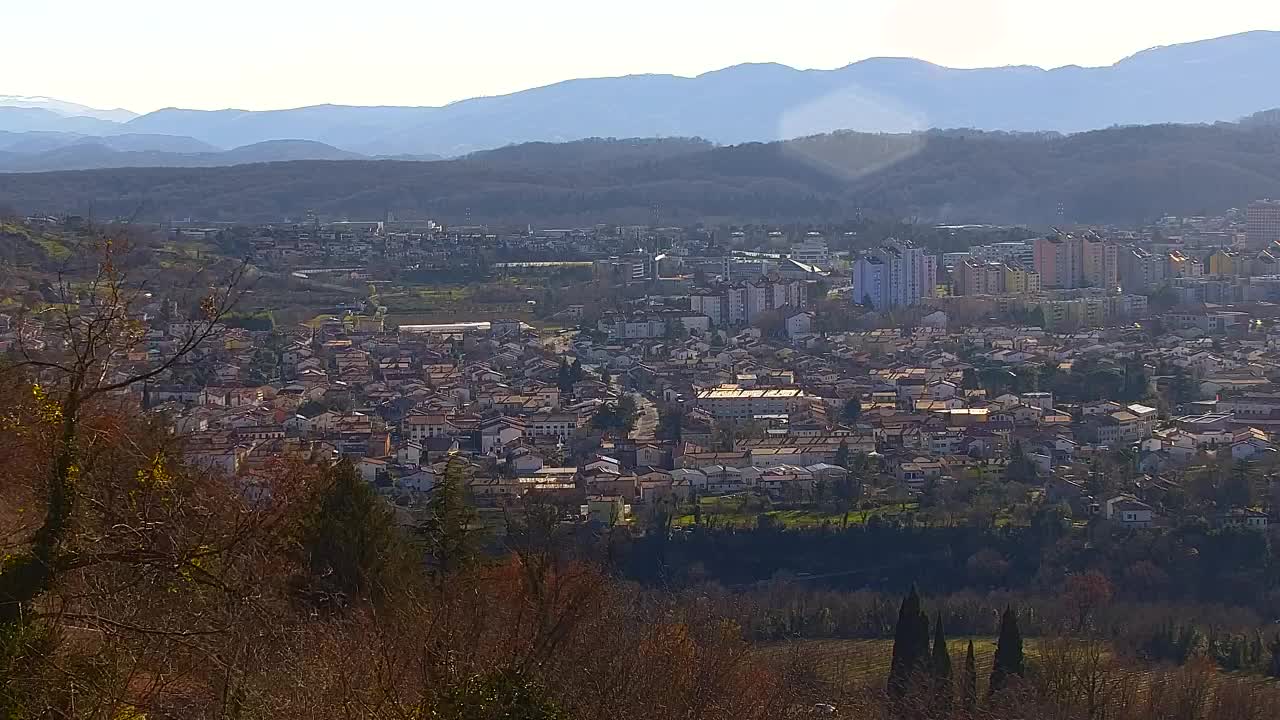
x=740, y=303
x=1066, y=261
x=1059, y=260
x=993, y=278
x=1100, y=263
x=1228, y=263
x=897, y=274
x=1020, y=281
x=1262, y=223
x=1141, y=270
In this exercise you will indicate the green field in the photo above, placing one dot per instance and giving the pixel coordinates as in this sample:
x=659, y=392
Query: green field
x=742, y=510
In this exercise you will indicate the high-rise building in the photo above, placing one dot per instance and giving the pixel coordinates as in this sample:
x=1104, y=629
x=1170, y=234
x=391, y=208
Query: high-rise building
x=994, y=278
x=1059, y=260
x=1141, y=270
x=897, y=274
x=1065, y=262
x=740, y=303
x=1262, y=223
x=1099, y=265
x=870, y=280
x=1020, y=281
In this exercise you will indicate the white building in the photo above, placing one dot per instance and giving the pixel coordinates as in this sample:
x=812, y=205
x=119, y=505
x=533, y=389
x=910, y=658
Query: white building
x=897, y=274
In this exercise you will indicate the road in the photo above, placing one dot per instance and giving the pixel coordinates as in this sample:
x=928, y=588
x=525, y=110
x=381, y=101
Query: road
x=646, y=418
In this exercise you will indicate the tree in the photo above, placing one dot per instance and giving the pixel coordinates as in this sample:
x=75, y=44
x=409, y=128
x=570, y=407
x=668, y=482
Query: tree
x=940, y=669
x=910, y=646
x=671, y=422
x=842, y=454
x=502, y=695
x=99, y=327
x=350, y=541
x=91, y=518
x=451, y=545
x=1085, y=593
x=1273, y=668
x=852, y=409
x=1009, y=660
x=969, y=682
x=564, y=377
x=1020, y=468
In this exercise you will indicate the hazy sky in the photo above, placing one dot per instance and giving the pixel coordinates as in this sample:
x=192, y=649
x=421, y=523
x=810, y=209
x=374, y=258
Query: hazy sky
x=261, y=54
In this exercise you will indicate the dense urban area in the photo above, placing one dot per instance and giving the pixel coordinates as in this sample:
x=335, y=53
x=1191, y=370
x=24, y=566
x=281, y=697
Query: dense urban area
x=1059, y=445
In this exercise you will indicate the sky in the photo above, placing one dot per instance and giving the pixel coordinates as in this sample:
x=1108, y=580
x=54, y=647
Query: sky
x=266, y=54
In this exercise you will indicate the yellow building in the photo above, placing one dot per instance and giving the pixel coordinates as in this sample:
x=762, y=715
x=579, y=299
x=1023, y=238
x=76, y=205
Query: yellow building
x=1226, y=263
x=1018, y=281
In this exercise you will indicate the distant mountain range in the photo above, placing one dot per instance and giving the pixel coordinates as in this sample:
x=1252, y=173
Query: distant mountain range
x=1119, y=175
x=42, y=151
x=1207, y=81
x=66, y=109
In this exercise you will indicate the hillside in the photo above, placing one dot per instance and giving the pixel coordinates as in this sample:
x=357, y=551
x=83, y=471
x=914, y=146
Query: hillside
x=50, y=151
x=1207, y=81
x=1119, y=175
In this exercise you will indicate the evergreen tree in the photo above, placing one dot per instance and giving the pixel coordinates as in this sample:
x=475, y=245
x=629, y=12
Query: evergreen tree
x=1009, y=658
x=445, y=526
x=910, y=645
x=1274, y=666
x=969, y=682
x=575, y=370
x=940, y=669
x=564, y=377
x=350, y=540
x=852, y=409
x=842, y=454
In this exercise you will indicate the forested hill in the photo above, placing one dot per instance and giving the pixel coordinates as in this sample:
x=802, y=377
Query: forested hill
x=1119, y=175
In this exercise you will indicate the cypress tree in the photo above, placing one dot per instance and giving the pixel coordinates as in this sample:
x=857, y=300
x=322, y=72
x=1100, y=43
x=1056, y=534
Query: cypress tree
x=445, y=525
x=969, y=688
x=940, y=669
x=1273, y=667
x=350, y=541
x=910, y=644
x=1009, y=659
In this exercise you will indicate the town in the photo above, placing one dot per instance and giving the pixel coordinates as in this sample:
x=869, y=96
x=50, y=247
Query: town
x=749, y=376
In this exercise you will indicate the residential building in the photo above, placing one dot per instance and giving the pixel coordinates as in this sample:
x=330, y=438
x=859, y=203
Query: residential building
x=736, y=403
x=1100, y=263
x=1059, y=260
x=1142, y=270
x=898, y=274
x=1262, y=223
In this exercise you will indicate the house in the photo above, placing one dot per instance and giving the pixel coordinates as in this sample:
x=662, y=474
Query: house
x=1243, y=517
x=372, y=469
x=525, y=460
x=498, y=433
x=1128, y=511
x=411, y=453
x=1250, y=442
x=607, y=510
x=422, y=480
x=799, y=324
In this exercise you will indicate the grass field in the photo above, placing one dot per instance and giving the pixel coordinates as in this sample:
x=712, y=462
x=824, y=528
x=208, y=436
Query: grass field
x=739, y=511
x=850, y=665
